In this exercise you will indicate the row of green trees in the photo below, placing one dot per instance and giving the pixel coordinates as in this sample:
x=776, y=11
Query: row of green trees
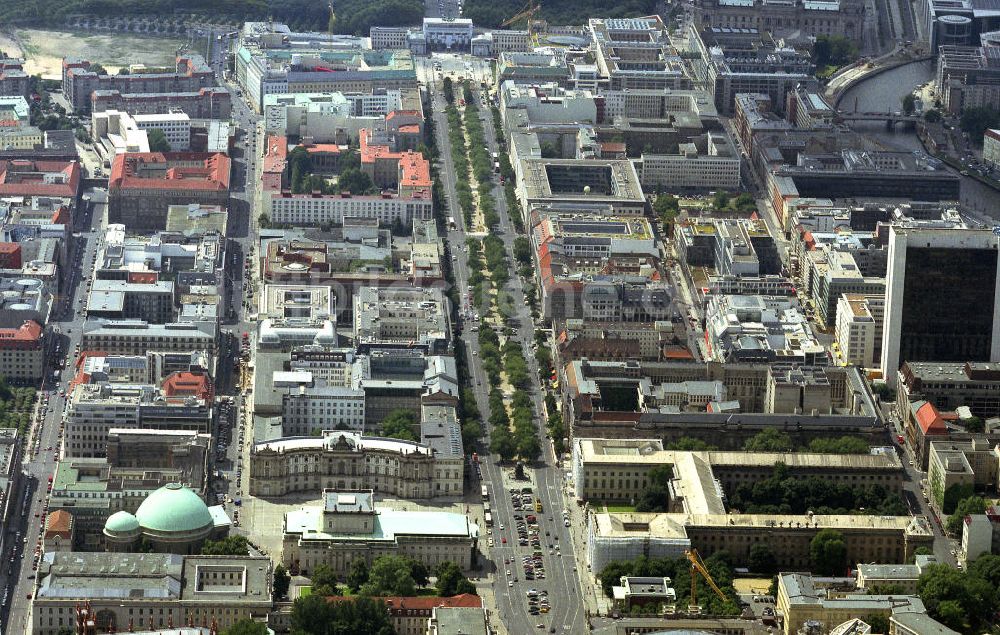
x=520, y=441
x=556, y=423
x=774, y=440
x=460, y=161
x=479, y=156
x=391, y=576
x=784, y=493
x=16, y=405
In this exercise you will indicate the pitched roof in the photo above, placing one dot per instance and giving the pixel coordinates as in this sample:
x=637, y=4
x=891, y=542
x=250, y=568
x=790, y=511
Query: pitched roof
x=184, y=171
x=59, y=523
x=30, y=331
x=24, y=177
x=929, y=419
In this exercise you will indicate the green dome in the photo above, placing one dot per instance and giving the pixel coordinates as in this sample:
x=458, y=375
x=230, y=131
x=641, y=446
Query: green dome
x=174, y=509
x=121, y=523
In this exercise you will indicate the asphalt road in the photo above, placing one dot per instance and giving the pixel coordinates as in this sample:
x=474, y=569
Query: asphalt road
x=18, y=576
x=41, y=454
x=442, y=8
x=561, y=582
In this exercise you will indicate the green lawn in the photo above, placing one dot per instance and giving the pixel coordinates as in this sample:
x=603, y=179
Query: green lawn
x=305, y=591
x=619, y=509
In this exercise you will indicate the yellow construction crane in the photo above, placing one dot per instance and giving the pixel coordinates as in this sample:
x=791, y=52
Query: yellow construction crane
x=698, y=566
x=526, y=13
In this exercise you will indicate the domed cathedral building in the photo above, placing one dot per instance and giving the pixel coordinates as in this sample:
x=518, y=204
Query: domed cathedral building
x=173, y=519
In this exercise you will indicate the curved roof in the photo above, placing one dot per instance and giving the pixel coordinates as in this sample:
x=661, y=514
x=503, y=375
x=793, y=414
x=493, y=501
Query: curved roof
x=121, y=523
x=174, y=509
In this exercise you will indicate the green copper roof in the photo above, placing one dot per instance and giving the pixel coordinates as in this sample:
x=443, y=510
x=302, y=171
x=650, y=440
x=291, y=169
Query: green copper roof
x=121, y=523
x=173, y=508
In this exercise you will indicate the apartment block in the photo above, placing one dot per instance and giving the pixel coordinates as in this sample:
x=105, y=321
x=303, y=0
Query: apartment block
x=704, y=162
x=135, y=337
x=950, y=385
x=143, y=186
x=410, y=200
x=13, y=80
x=738, y=61
x=191, y=74
x=636, y=53
x=402, y=318
x=859, y=328
x=803, y=599
x=133, y=299
x=22, y=353
x=94, y=409
x=212, y=102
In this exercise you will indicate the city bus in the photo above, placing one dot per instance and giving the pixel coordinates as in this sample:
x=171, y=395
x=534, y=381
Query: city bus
x=486, y=493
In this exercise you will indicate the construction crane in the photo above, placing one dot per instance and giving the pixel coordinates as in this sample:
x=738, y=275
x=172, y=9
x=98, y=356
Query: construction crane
x=526, y=13
x=697, y=565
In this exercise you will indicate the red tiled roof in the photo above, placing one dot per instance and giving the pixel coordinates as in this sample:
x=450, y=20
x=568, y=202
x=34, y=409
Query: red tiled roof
x=58, y=523
x=143, y=277
x=30, y=331
x=416, y=170
x=184, y=383
x=61, y=216
x=185, y=171
x=401, y=113
x=929, y=420
x=312, y=148
x=276, y=153
x=22, y=177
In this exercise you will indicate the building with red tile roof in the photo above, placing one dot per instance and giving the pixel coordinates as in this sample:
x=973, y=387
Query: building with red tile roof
x=930, y=420
x=185, y=383
x=10, y=256
x=22, y=352
x=389, y=169
x=143, y=185
x=325, y=157
x=405, y=172
x=27, y=177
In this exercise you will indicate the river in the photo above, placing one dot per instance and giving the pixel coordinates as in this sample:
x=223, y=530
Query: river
x=883, y=93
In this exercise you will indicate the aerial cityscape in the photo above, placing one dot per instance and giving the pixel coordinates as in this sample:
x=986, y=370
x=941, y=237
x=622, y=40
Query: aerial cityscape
x=456, y=317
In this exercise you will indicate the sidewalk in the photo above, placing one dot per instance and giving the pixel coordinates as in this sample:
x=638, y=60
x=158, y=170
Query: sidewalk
x=594, y=602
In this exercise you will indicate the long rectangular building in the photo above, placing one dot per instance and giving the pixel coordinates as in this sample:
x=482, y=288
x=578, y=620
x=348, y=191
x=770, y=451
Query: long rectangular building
x=206, y=103
x=79, y=82
x=611, y=469
x=873, y=539
x=135, y=337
